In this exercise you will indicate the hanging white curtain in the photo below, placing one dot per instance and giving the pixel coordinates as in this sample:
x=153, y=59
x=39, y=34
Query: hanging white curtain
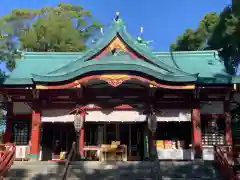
x=57, y=115
x=135, y=116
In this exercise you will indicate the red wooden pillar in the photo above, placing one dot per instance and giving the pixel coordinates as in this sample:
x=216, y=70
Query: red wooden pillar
x=9, y=123
x=197, y=135
x=35, y=133
x=81, y=137
x=228, y=122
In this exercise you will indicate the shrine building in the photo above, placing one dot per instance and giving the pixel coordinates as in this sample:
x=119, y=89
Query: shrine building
x=172, y=104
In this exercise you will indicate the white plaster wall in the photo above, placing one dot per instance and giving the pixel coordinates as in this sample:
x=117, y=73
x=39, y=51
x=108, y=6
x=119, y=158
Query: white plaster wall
x=57, y=115
x=132, y=116
x=212, y=108
x=21, y=108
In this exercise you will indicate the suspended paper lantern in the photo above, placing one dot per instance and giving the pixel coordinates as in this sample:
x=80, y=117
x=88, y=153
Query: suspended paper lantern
x=152, y=122
x=78, y=122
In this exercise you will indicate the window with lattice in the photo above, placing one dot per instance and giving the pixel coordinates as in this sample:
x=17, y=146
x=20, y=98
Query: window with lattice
x=20, y=133
x=213, y=131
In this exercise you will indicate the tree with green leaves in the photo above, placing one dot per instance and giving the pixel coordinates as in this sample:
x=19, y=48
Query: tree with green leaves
x=194, y=40
x=64, y=28
x=215, y=32
x=11, y=27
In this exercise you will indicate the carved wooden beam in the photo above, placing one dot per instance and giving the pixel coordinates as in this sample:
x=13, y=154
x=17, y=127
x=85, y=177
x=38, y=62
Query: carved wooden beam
x=115, y=80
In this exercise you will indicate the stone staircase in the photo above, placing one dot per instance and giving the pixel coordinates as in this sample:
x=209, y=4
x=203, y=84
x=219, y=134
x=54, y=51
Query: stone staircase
x=87, y=170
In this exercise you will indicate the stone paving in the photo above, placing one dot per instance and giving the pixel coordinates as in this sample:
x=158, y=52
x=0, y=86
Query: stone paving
x=90, y=170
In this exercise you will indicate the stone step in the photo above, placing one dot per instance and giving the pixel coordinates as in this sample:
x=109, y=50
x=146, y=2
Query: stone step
x=85, y=170
x=170, y=178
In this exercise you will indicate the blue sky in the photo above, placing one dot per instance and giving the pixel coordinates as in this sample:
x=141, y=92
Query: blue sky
x=162, y=20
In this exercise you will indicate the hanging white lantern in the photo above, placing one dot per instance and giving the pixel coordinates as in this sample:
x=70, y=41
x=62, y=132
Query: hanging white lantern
x=78, y=122
x=152, y=122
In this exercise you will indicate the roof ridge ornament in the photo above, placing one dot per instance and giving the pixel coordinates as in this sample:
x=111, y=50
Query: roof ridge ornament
x=117, y=19
x=140, y=38
x=117, y=16
x=101, y=30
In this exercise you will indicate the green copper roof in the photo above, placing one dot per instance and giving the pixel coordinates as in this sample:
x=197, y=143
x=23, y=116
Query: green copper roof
x=198, y=67
x=40, y=66
x=207, y=64
x=113, y=63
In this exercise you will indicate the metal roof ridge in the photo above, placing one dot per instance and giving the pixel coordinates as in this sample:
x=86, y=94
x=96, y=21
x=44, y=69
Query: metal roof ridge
x=52, y=53
x=208, y=52
x=43, y=55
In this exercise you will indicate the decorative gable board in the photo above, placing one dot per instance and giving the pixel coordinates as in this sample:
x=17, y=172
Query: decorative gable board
x=116, y=46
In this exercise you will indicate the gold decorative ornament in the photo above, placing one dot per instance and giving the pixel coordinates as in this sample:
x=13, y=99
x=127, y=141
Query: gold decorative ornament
x=115, y=79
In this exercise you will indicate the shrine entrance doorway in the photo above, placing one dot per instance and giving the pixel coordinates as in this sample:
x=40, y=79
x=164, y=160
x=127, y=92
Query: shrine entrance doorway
x=130, y=135
x=56, y=138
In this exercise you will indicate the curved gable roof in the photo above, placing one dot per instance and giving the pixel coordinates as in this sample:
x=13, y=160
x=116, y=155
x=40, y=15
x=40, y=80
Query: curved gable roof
x=117, y=30
x=197, y=66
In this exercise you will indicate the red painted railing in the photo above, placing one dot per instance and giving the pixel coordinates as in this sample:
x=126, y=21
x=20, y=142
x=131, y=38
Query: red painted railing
x=7, y=156
x=224, y=162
